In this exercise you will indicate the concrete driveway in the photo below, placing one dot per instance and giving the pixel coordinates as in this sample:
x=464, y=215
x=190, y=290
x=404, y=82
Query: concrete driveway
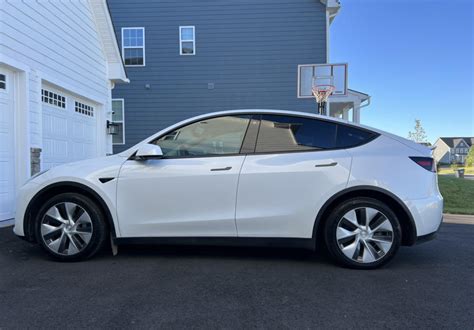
x=430, y=285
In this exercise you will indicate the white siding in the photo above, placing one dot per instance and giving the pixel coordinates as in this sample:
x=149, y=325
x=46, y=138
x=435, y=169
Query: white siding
x=58, y=41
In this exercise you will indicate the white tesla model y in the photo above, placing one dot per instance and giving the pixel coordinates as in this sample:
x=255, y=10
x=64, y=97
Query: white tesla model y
x=251, y=177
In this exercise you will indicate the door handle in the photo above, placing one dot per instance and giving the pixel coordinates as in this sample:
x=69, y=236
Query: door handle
x=221, y=169
x=326, y=164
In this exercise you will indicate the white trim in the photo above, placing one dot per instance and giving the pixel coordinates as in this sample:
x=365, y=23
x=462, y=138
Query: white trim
x=332, y=7
x=193, y=40
x=106, y=32
x=120, y=121
x=327, y=36
x=124, y=47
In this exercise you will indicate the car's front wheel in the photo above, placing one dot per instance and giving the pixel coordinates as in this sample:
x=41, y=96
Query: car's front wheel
x=363, y=233
x=70, y=227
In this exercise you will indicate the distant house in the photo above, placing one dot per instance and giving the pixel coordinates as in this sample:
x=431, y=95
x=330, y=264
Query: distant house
x=59, y=61
x=186, y=58
x=451, y=150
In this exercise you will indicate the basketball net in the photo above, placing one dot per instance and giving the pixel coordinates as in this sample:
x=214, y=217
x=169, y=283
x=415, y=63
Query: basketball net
x=321, y=94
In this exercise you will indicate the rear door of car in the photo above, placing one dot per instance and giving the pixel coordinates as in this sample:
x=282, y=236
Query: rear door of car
x=295, y=167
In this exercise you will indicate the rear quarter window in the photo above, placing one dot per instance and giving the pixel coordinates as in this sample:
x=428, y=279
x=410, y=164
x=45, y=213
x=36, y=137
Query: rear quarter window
x=292, y=133
x=348, y=136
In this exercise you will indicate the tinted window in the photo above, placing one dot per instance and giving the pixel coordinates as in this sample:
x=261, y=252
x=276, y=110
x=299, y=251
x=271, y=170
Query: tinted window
x=288, y=133
x=348, y=136
x=209, y=137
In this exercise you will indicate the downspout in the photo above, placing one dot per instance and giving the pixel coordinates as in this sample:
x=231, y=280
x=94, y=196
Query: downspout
x=366, y=104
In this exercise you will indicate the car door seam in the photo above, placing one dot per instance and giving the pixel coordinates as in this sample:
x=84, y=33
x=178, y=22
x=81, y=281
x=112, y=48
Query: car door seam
x=237, y=195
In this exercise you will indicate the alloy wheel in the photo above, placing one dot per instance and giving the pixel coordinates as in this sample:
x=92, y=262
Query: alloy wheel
x=364, y=235
x=66, y=228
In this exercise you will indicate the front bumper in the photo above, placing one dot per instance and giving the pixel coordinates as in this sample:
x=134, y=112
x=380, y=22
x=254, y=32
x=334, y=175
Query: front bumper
x=24, y=196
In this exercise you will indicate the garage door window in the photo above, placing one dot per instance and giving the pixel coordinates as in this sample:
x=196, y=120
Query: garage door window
x=118, y=119
x=84, y=109
x=3, y=81
x=53, y=98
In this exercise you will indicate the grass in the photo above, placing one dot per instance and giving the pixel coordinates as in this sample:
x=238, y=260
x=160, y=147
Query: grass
x=449, y=170
x=458, y=194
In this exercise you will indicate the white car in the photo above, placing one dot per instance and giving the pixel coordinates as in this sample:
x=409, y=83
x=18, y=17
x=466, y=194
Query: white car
x=246, y=177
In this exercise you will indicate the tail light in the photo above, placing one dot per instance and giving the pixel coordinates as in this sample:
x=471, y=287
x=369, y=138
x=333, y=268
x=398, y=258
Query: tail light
x=427, y=163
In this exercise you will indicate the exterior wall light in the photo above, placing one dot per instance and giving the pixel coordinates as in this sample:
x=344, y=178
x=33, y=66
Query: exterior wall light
x=112, y=128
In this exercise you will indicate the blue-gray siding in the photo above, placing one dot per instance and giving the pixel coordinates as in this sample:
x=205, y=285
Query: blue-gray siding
x=249, y=50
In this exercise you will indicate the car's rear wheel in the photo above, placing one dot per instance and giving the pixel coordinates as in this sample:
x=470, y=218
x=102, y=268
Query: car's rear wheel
x=363, y=233
x=70, y=227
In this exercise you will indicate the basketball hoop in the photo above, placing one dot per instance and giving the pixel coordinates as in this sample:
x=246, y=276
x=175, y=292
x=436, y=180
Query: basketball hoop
x=322, y=87
x=322, y=92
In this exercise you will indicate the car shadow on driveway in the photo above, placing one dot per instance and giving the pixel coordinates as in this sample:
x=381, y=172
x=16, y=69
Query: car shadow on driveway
x=12, y=247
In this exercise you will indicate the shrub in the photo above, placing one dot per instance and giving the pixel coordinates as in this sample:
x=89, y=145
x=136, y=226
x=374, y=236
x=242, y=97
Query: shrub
x=470, y=158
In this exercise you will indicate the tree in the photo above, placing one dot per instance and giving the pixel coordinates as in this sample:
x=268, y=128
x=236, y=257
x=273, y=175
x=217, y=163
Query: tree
x=419, y=134
x=470, y=158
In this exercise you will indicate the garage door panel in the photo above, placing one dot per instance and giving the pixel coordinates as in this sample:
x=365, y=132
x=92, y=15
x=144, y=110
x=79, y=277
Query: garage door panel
x=67, y=135
x=55, y=123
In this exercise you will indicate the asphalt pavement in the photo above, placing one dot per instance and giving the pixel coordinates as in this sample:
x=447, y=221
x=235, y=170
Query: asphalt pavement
x=429, y=285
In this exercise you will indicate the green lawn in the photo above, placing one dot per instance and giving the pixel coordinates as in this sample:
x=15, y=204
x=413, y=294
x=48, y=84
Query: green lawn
x=458, y=194
x=449, y=170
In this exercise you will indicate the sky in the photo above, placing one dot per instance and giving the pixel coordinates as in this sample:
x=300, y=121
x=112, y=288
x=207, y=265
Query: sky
x=414, y=58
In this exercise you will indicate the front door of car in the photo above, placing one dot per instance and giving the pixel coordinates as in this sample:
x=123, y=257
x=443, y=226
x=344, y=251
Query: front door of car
x=294, y=170
x=191, y=191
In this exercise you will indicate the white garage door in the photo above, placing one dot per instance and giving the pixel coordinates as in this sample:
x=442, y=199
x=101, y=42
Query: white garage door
x=7, y=147
x=69, y=128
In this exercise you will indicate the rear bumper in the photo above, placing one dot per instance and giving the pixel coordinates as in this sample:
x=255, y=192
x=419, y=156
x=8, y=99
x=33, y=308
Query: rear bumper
x=427, y=214
x=427, y=237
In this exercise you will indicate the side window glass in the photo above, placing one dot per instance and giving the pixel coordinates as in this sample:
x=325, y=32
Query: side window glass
x=348, y=136
x=291, y=133
x=209, y=137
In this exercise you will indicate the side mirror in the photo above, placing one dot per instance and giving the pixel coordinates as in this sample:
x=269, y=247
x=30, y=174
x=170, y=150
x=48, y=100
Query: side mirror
x=148, y=151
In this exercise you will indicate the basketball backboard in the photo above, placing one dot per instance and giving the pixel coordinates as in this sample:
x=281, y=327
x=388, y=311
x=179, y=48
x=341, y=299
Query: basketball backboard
x=308, y=74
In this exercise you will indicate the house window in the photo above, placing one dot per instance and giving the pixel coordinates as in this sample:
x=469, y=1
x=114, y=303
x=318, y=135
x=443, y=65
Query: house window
x=187, y=41
x=53, y=98
x=84, y=109
x=3, y=81
x=133, y=46
x=118, y=119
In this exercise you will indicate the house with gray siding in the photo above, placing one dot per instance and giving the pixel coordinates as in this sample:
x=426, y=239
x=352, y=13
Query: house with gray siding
x=452, y=150
x=186, y=58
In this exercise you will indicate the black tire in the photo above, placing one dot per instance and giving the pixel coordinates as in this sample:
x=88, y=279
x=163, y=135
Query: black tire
x=335, y=246
x=99, y=230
